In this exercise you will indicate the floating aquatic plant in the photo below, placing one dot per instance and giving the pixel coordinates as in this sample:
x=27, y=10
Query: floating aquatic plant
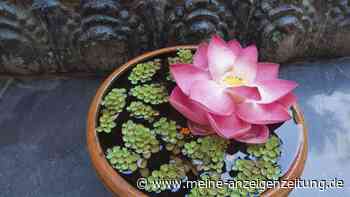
x=255, y=170
x=144, y=72
x=211, y=190
x=167, y=129
x=269, y=151
x=113, y=103
x=150, y=93
x=106, y=121
x=184, y=56
x=123, y=159
x=140, y=139
x=115, y=100
x=207, y=153
x=171, y=172
x=138, y=109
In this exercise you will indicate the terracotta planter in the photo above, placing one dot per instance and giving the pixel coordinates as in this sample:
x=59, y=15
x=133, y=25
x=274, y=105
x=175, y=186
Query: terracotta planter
x=120, y=187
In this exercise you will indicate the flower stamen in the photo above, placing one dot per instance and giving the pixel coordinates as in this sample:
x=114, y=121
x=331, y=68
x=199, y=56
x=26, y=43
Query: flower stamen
x=233, y=81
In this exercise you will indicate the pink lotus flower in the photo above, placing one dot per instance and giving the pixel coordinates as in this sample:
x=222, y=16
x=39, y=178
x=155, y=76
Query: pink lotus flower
x=226, y=91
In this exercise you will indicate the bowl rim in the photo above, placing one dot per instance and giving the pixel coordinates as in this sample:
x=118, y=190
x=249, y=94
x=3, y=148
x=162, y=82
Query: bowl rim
x=117, y=184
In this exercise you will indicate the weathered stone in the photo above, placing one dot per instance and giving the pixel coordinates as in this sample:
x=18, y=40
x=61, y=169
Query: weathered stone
x=53, y=36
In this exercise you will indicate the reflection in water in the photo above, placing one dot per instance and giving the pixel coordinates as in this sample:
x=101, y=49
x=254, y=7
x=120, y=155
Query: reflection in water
x=324, y=97
x=328, y=117
x=291, y=136
x=335, y=109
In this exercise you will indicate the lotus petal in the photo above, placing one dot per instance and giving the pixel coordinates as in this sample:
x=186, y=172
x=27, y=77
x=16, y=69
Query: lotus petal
x=186, y=74
x=258, y=134
x=212, y=96
x=288, y=100
x=201, y=130
x=228, y=126
x=267, y=71
x=262, y=114
x=220, y=58
x=200, y=58
x=187, y=107
x=274, y=89
x=235, y=47
x=246, y=64
x=242, y=93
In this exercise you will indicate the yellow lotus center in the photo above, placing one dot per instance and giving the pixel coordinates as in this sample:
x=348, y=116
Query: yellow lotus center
x=233, y=81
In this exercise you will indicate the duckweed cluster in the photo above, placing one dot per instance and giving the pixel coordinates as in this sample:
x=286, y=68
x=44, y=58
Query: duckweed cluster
x=263, y=168
x=112, y=104
x=171, y=171
x=207, y=153
x=167, y=129
x=184, y=56
x=211, y=190
x=106, y=121
x=144, y=72
x=140, y=139
x=140, y=110
x=259, y=170
x=115, y=100
x=150, y=93
x=122, y=159
x=270, y=151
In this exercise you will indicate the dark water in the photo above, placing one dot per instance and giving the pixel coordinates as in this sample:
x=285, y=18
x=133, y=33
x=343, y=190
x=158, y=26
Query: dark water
x=289, y=132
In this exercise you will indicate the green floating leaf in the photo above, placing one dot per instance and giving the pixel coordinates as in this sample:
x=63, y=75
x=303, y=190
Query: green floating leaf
x=167, y=129
x=106, y=122
x=150, y=93
x=115, y=100
x=171, y=172
x=207, y=153
x=270, y=151
x=256, y=170
x=112, y=104
x=123, y=159
x=183, y=56
x=144, y=72
x=138, y=109
x=212, y=190
x=140, y=139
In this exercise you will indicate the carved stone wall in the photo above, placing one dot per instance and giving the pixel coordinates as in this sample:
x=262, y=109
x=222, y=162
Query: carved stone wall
x=68, y=36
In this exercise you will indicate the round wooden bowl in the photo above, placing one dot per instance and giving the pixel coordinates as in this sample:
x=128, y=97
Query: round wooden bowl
x=120, y=187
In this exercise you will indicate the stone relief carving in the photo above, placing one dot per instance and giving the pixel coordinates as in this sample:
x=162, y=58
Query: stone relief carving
x=67, y=36
x=191, y=21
